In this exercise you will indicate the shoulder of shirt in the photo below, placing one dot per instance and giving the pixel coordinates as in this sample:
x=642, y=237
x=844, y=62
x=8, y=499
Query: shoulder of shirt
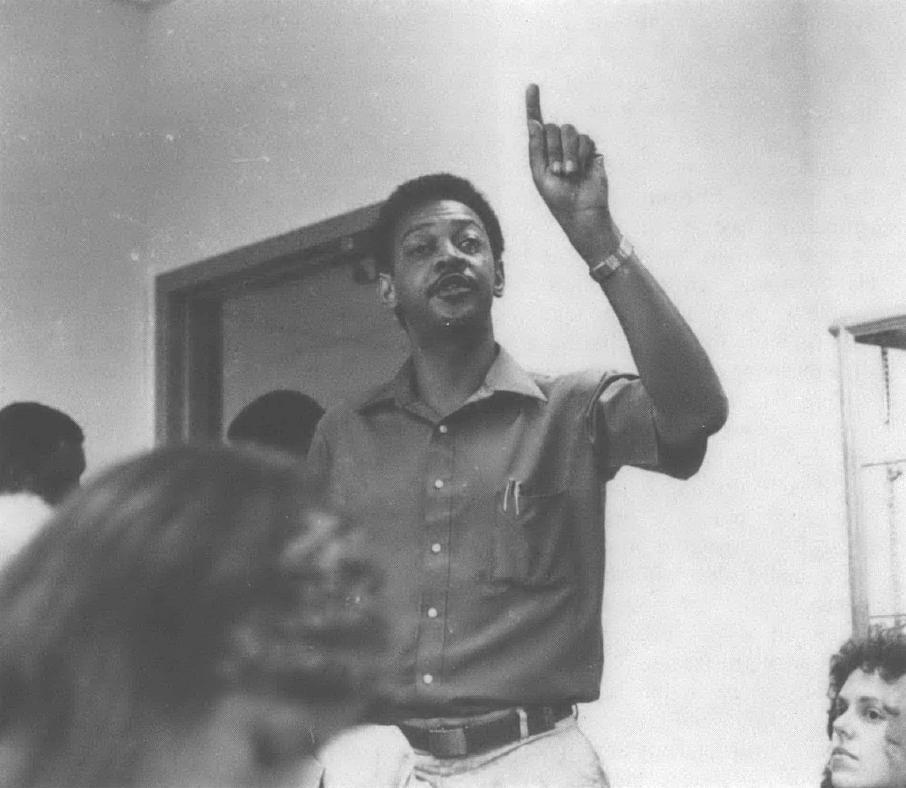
x=585, y=380
x=21, y=517
x=24, y=503
x=356, y=403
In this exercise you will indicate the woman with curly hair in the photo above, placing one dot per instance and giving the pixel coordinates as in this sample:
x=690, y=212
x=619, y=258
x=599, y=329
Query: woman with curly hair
x=867, y=716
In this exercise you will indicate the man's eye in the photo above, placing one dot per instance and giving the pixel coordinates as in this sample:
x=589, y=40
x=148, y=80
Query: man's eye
x=470, y=244
x=419, y=249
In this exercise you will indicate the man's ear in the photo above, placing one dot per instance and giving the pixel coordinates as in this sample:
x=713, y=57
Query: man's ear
x=499, y=278
x=387, y=290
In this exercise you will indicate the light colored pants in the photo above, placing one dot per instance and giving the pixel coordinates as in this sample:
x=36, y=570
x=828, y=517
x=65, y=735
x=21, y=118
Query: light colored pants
x=373, y=756
x=560, y=758
x=367, y=756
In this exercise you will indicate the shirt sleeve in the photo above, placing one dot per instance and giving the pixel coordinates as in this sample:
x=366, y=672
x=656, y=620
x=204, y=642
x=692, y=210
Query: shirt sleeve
x=622, y=425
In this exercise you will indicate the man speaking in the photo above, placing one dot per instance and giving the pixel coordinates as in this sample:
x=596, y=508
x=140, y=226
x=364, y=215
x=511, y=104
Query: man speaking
x=480, y=484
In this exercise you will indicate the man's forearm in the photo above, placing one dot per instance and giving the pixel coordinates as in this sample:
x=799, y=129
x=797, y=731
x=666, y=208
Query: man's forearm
x=676, y=372
x=571, y=179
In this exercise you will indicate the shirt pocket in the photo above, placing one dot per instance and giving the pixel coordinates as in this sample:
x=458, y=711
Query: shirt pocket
x=532, y=544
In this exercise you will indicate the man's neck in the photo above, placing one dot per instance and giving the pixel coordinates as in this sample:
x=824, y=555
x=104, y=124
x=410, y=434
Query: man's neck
x=448, y=372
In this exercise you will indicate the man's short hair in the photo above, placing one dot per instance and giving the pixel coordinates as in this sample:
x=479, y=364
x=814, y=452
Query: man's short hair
x=31, y=434
x=282, y=419
x=882, y=651
x=171, y=580
x=428, y=188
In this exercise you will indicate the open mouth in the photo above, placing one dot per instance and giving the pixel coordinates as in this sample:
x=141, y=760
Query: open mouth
x=451, y=285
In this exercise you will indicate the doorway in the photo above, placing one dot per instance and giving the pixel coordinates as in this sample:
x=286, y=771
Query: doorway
x=298, y=311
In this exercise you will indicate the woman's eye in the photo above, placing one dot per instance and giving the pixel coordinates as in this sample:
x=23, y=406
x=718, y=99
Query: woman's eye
x=874, y=715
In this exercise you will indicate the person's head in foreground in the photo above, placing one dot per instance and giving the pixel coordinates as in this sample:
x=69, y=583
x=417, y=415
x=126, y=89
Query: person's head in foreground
x=282, y=419
x=193, y=618
x=41, y=451
x=867, y=717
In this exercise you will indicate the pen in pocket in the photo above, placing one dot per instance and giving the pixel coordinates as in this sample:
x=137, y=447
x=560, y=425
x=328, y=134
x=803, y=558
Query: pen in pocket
x=513, y=488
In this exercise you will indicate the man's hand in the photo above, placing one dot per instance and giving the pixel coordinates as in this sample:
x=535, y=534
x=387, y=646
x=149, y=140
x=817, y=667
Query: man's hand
x=568, y=173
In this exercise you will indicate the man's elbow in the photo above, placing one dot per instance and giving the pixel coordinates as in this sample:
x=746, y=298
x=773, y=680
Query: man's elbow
x=717, y=415
x=693, y=425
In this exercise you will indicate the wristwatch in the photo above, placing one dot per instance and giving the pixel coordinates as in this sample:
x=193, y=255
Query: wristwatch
x=603, y=270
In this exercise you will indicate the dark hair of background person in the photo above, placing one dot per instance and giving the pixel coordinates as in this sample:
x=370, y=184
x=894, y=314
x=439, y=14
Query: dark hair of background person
x=40, y=451
x=427, y=188
x=282, y=419
x=882, y=651
x=170, y=580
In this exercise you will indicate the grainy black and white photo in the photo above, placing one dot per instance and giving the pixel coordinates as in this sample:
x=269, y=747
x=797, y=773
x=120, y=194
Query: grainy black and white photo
x=453, y=393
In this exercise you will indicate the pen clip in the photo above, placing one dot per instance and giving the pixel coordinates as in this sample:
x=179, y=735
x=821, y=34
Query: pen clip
x=513, y=488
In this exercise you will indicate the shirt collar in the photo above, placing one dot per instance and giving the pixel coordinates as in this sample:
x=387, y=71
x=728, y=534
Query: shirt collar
x=505, y=374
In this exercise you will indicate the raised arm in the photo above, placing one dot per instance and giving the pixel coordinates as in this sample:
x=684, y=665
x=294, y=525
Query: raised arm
x=569, y=175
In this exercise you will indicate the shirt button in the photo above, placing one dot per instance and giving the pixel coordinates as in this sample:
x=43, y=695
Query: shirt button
x=438, y=484
x=428, y=678
x=435, y=548
x=442, y=429
x=432, y=612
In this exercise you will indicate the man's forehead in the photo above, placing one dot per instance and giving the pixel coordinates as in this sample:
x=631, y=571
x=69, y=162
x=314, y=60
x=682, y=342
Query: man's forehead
x=862, y=684
x=433, y=212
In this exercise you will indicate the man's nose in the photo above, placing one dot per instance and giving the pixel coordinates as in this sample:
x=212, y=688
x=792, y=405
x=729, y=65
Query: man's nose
x=448, y=253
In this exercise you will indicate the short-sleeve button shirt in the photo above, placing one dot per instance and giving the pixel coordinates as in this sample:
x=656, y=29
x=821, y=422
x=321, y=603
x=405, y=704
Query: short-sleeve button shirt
x=489, y=525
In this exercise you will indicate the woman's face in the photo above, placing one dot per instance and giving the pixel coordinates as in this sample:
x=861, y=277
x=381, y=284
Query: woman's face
x=869, y=733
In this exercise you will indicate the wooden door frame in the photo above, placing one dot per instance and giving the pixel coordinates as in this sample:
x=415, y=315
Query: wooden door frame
x=188, y=303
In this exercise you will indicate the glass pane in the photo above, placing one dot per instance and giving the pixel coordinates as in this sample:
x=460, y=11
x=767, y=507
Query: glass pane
x=324, y=335
x=879, y=427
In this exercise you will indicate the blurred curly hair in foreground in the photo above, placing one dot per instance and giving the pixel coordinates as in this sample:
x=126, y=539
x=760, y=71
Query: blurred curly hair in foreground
x=177, y=580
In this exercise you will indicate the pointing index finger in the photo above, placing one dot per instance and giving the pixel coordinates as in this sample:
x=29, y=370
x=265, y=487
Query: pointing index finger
x=533, y=104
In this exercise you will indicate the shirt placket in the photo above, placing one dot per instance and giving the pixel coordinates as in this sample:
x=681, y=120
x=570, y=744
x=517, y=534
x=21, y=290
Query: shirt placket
x=439, y=487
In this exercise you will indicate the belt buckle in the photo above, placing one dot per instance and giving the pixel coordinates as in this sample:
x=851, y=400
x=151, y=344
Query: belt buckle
x=447, y=742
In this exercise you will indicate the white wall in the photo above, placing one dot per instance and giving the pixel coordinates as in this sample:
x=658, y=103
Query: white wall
x=755, y=152
x=73, y=216
x=857, y=161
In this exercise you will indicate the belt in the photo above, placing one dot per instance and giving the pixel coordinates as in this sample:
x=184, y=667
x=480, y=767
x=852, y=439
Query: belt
x=478, y=736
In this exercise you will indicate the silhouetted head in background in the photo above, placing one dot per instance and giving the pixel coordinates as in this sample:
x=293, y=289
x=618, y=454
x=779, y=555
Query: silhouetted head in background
x=192, y=617
x=282, y=419
x=41, y=451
